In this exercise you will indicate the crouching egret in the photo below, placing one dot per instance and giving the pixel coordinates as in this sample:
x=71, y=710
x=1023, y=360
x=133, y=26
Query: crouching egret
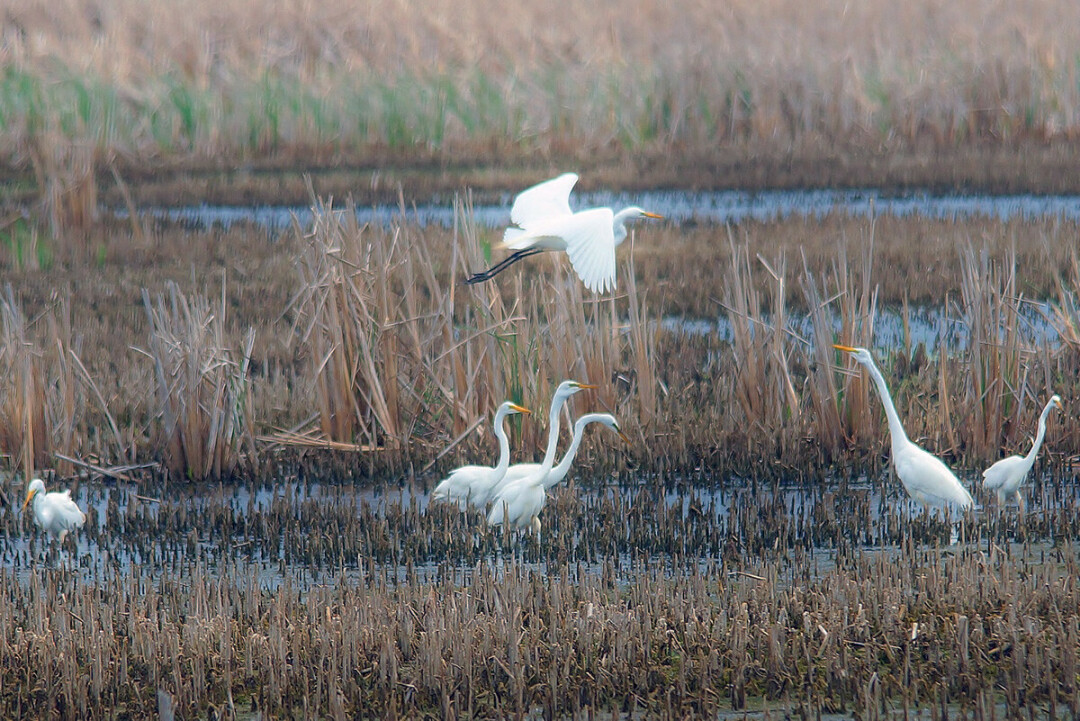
x=545, y=222
x=926, y=479
x=458, y=486
x=55, y=512
x=1006, y=475
x=517, y=502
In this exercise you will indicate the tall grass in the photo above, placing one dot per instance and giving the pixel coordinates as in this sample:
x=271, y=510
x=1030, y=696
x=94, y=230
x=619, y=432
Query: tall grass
x=407, y=76
x=202, y=385
x=402, y=353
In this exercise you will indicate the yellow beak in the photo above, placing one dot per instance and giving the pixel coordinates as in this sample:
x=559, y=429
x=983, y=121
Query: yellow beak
x=587, y=386
x=652, y=215
x=520, y=409
x=29, y=495
x=625, y=438
x=845, y=348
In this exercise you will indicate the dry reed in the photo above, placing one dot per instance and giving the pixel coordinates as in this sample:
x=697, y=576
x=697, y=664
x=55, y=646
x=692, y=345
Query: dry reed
x=202, y=386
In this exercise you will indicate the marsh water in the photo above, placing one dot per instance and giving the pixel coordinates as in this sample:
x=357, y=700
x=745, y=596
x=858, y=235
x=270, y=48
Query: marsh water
x=316, y=533
x=681, y=207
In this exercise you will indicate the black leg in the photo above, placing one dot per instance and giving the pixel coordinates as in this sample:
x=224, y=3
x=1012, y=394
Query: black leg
x=502, y=265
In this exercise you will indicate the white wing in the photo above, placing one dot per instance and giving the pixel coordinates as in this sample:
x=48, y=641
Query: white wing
x=543, y=202
x=928, y=480
x=590, y=243
x=1001, y=473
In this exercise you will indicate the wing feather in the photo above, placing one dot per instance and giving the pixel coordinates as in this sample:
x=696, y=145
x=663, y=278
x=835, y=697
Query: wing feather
x=590, y=243
x=543, y=202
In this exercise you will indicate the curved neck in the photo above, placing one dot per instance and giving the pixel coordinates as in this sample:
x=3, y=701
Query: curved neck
x=504, y=442
x=568, y=459
x=1040, y=435
x=896, y=428
x=618, y=223
x=553, y=430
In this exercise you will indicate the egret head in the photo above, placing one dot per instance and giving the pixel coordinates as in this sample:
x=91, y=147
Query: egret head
x=569, y=388
x=1056, y=400
x=36, y=486
x=609, y=420
x=634, y=212
x=859, y=354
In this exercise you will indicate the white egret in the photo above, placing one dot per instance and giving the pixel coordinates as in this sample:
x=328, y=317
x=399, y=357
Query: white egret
x=926, y=479
x=518, y=502
x=483, y=490
x=460, y=483
x=558, y=473
x=55, y=512
x=545, y=222
x=1006, y=475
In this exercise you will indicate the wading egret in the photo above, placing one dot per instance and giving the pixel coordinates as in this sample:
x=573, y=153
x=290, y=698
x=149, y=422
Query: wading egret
x=518, y=502
x=55, y=512
x=926, y=479
x=483, y=491
x=458, y=486
x=559, y=472
x=545, y=222
x=1006, y=475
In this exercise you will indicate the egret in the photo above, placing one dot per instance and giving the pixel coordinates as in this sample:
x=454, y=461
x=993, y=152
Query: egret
x=559, y=472
x=1006, y=475
x=926, y=479
x=545, y=222
x=55, y=512
x=460, y=483
x=482, y=491
x=518, y=502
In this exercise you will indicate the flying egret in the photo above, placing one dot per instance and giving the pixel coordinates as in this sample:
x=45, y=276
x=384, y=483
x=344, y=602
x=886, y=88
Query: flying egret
x=55, y=512
x=926, y=479
x=518, y=502
x=545, y=222
x=460, y=483
x=1006, y=475
x=482, y=490
x=559, y=472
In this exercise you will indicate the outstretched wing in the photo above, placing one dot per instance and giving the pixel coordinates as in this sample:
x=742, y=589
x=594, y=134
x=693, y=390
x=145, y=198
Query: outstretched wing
x=590, y=243
x=543, y=202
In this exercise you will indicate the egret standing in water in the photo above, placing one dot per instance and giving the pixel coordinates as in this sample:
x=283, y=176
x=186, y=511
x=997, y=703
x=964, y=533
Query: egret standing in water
x=518, y=502
x=459, y=485
x=559, y=472
x=545, y=222
x=926, y=479
x=484, y=490
x=55, y=512
x=1006, y=476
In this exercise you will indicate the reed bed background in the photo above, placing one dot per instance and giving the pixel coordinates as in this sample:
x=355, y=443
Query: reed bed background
x=362, y=340
x=750, y=94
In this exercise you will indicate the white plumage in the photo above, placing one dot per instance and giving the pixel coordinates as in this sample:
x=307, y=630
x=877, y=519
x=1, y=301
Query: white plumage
x=926, y=479
x=518, y=501
x=464, y=482
x=1007, y=475
x=55, y=512
x=544, y=222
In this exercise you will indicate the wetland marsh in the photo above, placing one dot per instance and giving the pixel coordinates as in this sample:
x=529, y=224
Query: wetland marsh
x=232, y=321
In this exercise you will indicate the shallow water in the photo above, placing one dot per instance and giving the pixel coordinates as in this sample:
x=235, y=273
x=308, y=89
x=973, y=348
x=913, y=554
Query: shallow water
x=932, y=326
x=679, y=207
x=308, y=534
